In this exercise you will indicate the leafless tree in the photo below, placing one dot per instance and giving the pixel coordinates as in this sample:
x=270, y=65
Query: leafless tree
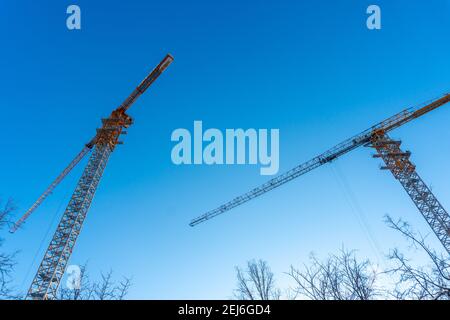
x=431, y=281
x=7, y=260
x=256, y=282
x=108, y=289
x=105, y=289
x=339, y=277
x=123, y=288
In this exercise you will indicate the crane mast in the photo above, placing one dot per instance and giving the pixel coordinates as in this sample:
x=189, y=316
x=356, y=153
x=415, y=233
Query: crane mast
x=47, y=279
x=396, y=161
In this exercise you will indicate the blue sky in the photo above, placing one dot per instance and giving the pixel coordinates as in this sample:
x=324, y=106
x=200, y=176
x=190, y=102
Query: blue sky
x=309, y=68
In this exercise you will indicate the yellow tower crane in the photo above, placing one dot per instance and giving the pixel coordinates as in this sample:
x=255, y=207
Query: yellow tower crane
x=46, y=282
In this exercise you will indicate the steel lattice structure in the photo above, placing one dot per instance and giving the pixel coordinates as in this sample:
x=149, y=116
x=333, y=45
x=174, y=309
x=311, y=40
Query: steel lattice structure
x=426, y=202
x=54, y=263
x=404, y=171
x=51, y=270
x=54, y=184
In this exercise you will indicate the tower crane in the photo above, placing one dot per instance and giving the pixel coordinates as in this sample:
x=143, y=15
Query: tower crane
x=47, y=279
x=396, y=160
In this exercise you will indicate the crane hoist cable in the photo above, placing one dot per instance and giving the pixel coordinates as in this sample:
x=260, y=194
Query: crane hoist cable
x=356, y=209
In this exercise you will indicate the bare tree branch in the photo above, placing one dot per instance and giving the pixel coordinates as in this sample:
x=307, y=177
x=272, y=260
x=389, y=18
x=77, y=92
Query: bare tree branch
x=256, y=282
x=339, y=277
x=105, y=289
x=7, y=260
x=121, y=291
x=431, y=282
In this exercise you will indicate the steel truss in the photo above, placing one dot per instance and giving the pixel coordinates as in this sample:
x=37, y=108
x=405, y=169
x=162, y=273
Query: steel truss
x=397, y=161
x=48, y=277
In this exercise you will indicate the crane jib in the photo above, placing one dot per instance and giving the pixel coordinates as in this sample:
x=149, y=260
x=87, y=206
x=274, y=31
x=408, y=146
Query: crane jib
x=156, y=72
x=344, y=147
x=145, y=84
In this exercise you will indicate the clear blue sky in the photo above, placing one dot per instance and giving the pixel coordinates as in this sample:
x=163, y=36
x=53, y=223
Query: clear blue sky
x=310, y=68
